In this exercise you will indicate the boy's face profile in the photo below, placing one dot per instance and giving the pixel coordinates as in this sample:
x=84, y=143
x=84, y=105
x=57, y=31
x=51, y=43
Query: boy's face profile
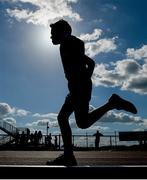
x=59, y=30
x=56, y=36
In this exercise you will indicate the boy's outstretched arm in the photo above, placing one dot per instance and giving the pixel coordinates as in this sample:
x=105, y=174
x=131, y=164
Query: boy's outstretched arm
x=90, y=64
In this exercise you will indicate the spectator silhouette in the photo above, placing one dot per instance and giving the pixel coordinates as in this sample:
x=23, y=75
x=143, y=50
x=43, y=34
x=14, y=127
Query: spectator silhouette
x=49, y=140
x=97, y=139
x=35, y=138
x=32, y=139
x=23, y=138
x=28, y=136
x=78, y=69
x=17, y=138
x=39, y=137
x=55, y=142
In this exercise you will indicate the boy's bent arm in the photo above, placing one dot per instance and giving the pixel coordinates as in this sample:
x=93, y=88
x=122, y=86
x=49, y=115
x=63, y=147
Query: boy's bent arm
x=90, y=65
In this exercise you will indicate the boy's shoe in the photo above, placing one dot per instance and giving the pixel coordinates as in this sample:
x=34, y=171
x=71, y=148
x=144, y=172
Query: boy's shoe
x=121, y=104
x=63, y=160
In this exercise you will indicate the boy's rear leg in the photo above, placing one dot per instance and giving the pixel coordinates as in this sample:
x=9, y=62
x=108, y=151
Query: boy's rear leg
x=85, y=119
x=121, y=104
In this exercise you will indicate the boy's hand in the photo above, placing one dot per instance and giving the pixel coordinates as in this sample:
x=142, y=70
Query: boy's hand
x=90, y=64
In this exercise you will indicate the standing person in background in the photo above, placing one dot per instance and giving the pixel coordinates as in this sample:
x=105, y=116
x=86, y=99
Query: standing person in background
x=97, y=139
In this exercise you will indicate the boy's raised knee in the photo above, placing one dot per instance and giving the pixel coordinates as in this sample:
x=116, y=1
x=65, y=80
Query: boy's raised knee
x=82, y=125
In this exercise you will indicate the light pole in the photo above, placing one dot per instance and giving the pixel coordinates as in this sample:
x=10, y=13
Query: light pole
x=47, y=129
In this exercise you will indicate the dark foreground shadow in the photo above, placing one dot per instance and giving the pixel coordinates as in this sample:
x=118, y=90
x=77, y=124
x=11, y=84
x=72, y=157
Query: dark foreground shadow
x=82, y=172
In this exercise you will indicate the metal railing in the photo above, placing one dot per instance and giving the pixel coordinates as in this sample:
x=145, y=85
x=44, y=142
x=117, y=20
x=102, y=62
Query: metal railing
x=5, y=139
x=87, y=141
x=8, y=128
x=79, y=141
x=11, y=131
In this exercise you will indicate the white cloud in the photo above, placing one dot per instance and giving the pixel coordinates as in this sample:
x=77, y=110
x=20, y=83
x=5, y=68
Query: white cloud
x=137, y=84
x=5, y=109
x=127, y=74
x=101, y=46
x=19, y=14
x=51, y=116
x=43, y=122
x=20, y=112
x=127, y=67
x=93, y=36
x=94, y=45
x=96, y=127
x=138, y=53
x=46, y=11
x=74, y=1
x=121, y=117
x=10, y=120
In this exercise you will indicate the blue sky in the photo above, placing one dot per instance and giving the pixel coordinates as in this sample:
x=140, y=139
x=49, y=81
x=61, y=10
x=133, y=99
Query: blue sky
x=32, y=82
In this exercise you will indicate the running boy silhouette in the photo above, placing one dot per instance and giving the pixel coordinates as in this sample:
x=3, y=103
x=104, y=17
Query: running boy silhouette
x=78, y=69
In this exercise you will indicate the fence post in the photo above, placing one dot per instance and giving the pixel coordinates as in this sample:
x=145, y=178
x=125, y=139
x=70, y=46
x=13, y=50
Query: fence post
x=115, y=139
x=110, y=141
x=73, y=140
x=86, y=140
x=59, y=141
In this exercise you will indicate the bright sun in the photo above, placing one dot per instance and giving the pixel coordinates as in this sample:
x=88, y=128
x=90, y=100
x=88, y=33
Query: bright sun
x=43, y=38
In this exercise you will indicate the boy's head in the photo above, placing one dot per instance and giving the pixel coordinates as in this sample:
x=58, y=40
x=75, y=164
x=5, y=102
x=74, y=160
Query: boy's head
x=59, y=30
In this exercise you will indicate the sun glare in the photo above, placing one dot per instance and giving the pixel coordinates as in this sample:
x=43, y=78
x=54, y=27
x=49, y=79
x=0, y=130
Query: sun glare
x=40, y=41
x=43, y=38
x=39, y=46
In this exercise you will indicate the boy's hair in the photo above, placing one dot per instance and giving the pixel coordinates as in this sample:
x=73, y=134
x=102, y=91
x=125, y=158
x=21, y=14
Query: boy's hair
x=62, y=26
